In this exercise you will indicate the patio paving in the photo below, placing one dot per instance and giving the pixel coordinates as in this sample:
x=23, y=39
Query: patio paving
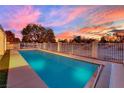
x=4, y=65
x=112, y=76
x=24, y=77
x=20, y=75
x=117, y=76
x=104, y=79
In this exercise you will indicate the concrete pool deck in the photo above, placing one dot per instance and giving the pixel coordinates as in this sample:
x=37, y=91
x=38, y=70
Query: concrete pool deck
x=117, y=76
x=20, y=75
x=104, y=79
x=112, y=76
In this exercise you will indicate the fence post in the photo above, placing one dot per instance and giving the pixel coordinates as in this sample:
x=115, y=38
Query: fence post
x=38, y=45
x=94, y=50
x=123, y=52
x=18, y=45
x=59, y=46
x=72, y=49
x=44, y=45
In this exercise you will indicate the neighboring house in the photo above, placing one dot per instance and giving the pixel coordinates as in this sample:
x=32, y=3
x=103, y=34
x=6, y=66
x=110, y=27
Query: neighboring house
x=2, y=41
x=117, y=35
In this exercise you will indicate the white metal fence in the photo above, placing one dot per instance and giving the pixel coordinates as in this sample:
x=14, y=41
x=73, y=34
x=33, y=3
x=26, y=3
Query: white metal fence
x=104, y=51
x=111, y=51
x=76, y=49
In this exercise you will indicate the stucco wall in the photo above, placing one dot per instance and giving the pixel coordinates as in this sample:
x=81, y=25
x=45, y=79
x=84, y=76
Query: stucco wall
x=2, y=42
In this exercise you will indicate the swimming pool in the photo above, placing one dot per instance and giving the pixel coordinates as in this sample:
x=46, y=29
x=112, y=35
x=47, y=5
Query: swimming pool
x=59, y=71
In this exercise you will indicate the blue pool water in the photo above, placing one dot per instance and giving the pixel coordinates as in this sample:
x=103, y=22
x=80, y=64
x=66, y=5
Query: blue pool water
x=59, y=71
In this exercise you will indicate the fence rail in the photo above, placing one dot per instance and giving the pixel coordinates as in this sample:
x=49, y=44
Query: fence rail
x=104, y=51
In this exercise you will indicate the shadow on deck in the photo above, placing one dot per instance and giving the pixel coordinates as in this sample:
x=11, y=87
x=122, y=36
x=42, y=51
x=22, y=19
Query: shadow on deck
x=4, y=67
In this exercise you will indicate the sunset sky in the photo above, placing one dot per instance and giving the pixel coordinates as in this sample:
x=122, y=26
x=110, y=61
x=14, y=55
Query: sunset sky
x=66, y=21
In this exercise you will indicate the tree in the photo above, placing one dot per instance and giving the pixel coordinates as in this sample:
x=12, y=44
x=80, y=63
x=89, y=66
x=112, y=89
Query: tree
x=11, y=37
x=88, y=40
x=16, y=40
x=63, y=41
x=103, y=40
x=49, y=36
x=37, y=33
x=77, y=39
x=32, y=33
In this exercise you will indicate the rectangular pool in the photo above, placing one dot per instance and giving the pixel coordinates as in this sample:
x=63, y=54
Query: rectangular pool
x=59, y=71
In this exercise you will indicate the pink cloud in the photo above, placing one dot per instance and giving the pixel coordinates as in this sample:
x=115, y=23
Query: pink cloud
x=110, y=14
x=66, y=15
x=18, y=35
x=23, y=17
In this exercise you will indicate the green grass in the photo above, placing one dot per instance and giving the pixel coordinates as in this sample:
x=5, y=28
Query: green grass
x=4, y=66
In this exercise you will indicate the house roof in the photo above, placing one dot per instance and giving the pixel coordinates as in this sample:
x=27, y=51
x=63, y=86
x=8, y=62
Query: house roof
x=2, y=30
x=116, y=31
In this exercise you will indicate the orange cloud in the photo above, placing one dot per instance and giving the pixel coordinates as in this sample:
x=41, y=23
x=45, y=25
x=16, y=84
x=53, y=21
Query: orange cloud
x=65, y=35
x=92, y=29
x=88, y=32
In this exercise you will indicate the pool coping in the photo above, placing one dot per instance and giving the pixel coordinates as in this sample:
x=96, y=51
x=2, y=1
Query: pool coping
x=93, y=80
